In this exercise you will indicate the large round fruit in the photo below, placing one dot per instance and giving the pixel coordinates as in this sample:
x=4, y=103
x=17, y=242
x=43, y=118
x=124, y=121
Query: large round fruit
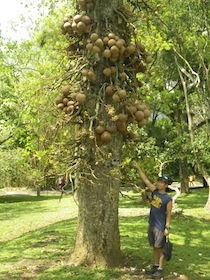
x=80, y=98
x=106, y=137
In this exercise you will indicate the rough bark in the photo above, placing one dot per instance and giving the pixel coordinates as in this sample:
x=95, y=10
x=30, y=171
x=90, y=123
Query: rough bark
x=98, y=239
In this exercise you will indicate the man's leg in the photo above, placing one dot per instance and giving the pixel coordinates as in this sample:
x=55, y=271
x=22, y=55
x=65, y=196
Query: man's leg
x=158, y=252
x=162, y=260
x=159, y=239
x=158, y=255
x=155, y=266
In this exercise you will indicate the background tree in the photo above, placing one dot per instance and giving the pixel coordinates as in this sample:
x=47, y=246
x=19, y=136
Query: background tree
x=192, y=64
x=178, y=46
x=31, y=156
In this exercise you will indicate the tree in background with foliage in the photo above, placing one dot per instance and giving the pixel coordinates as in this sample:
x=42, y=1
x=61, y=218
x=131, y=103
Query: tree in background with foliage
x=189, y=59
x=179, y=77
x=32, y=134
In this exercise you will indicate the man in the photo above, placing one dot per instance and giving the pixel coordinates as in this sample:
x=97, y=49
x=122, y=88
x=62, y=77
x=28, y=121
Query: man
x=159, y=220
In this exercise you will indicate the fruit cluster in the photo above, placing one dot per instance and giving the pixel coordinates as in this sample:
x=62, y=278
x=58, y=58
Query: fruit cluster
x=86, y=4
x=122, y=60
x=138, y=112
x=135, y=113
x=78, y=24
x=116, y=94
x=104, y=133
x=94, y=43
x=68, y=102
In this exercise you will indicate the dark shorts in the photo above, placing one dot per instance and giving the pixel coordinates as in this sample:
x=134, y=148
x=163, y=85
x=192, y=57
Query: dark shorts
x=156, y=237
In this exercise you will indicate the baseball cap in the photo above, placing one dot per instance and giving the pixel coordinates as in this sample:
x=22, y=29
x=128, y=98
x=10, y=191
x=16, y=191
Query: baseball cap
x=164, y=179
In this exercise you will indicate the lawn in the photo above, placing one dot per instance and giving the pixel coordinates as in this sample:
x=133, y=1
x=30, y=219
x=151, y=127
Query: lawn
x=37, y=235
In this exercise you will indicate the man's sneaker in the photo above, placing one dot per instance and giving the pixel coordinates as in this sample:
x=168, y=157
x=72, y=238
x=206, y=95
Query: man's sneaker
x=158, y=274
x=152, y=270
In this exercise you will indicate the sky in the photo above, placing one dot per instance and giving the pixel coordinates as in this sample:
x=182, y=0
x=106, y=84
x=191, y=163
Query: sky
x=10, y=12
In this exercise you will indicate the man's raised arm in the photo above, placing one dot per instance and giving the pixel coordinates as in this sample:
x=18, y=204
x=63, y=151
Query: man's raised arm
x=144, y=177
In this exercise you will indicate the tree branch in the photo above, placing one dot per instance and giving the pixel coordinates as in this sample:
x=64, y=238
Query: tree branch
x=6, y=139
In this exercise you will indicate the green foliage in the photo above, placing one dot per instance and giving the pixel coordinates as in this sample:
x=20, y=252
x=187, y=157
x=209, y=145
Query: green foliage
x=31, y=75
x=176, y=32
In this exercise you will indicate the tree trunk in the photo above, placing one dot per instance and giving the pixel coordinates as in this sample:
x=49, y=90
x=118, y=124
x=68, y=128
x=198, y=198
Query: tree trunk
x=38, y=191
x=207, y=206
x=199, y=163
x=183, y=171
x=98, y=239
x=205, y=185
x=177, y=190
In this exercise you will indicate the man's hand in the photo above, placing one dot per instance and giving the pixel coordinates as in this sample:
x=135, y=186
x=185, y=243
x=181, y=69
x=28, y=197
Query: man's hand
x=166, y=232
x=135, y=165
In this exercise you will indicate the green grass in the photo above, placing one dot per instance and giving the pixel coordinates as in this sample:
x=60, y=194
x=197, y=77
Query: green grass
x=37, y=235
x=21, y=213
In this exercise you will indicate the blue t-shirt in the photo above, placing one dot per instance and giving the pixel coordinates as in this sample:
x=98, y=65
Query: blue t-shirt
x=158, y=209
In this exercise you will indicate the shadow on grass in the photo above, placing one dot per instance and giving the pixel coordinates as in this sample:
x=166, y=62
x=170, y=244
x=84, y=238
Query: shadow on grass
x=12, y=206
x=132, y=200
x=79, y=273
x=32, y=252
x=196, y=197
x=190, y=237
x=39, y=255
x=15, y=198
